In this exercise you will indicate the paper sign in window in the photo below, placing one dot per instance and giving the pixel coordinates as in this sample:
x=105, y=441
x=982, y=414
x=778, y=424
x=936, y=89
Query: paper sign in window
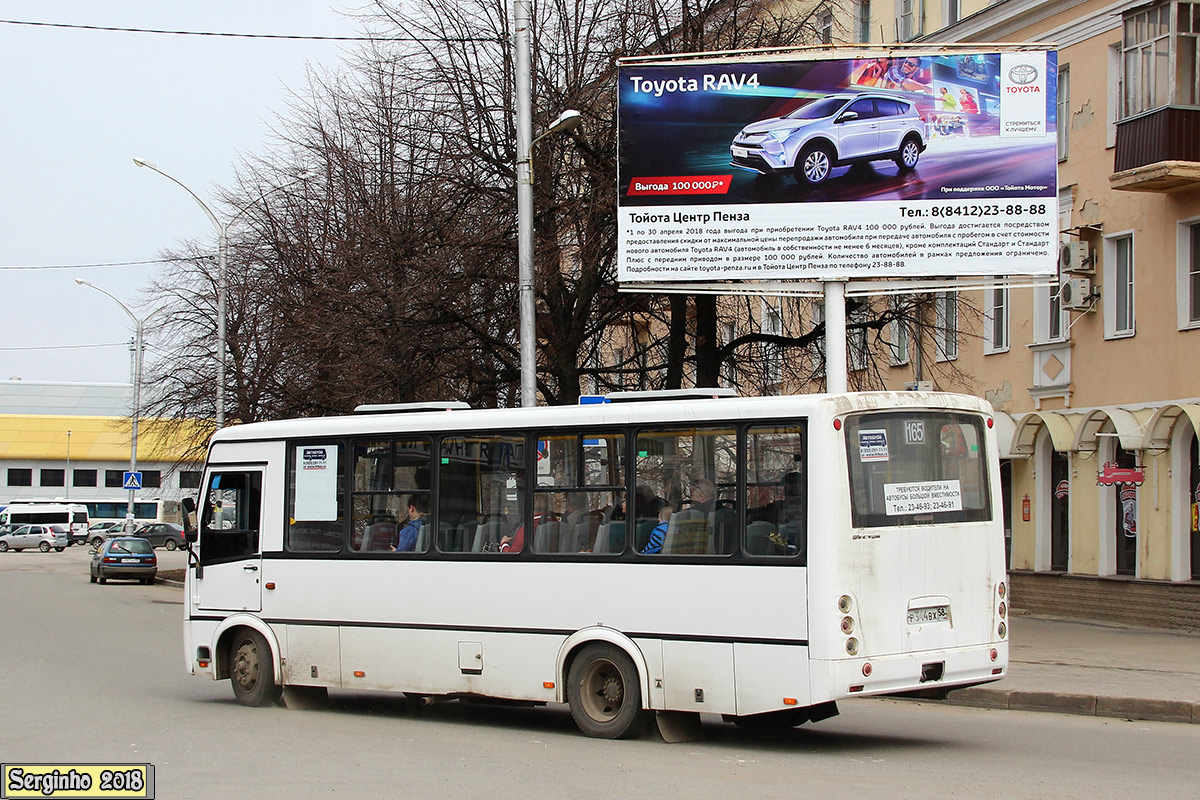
x=922, y=497
x=873, y=445
x=316, y=483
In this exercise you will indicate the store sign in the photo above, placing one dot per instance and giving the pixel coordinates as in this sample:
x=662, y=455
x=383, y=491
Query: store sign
x=913, y=165
x=1112, y=475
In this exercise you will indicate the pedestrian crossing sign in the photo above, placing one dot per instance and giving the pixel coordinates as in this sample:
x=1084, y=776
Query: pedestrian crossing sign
x=132, y=480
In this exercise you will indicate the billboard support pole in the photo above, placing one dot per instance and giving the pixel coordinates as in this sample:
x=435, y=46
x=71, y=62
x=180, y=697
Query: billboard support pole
x=835, y=336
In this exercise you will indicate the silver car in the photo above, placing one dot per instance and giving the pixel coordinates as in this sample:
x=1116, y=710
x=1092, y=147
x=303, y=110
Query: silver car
x=43, y=537
x=834, y=130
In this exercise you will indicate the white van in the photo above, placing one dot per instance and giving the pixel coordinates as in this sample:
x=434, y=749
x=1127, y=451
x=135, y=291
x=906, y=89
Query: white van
x=73, y=516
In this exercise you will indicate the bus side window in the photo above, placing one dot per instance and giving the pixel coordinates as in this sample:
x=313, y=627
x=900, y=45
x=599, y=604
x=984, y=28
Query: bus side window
x=229, y=527
x=776, y=494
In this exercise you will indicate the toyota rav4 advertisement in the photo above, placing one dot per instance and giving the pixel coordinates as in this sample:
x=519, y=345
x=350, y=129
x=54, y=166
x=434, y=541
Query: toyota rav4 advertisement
x=902, y=164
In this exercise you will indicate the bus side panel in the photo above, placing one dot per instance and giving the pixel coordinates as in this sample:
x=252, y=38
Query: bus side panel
x=312, y=655
x=768, y=673
x=701, y=677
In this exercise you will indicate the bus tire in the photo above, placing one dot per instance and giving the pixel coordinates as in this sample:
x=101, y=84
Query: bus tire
x=604, y=692
x=252, y=669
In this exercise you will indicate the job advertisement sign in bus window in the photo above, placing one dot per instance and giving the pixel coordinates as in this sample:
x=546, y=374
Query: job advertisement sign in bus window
x=902, y=165
x=316, y=482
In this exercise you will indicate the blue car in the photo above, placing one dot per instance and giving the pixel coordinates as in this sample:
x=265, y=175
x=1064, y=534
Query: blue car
x=125, y=557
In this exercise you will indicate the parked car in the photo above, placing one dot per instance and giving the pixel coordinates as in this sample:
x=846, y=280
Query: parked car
x=834, y=130
x=162, y=534
x=101, y=531
x=125, y=557
x=43, y=537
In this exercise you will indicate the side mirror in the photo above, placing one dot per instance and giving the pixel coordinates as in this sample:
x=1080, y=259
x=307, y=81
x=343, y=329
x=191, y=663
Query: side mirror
x=849, y=115
x=189, y=508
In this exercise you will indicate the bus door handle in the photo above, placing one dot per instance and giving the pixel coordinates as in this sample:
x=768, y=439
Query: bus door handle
x=250, y=568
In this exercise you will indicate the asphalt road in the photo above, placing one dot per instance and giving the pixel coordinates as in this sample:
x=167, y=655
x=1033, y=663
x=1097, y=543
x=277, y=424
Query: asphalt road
x=96, y=674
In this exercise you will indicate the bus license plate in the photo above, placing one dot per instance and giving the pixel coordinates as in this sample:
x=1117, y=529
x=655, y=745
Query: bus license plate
x=924, y=616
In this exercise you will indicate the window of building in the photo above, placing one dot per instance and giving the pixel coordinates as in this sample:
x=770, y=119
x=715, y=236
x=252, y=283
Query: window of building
x=1188, y=284
x=53, y=477
x=898, y=330
x=772, y=325
x=909, y=19
x=1064, y=111
x=1159, y=64
x=825, y=26
x=85, y=477
x=189, y=479
x=1118, y=293
x=862, y=20
x=856, y=338
x=114, y=478
x=995, y=320
x=20, y=477
x=952, y=11
x=729, y=374
x=151, y=478
x=947, y=326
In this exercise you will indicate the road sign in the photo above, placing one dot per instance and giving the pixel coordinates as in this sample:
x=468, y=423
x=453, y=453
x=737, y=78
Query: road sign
x=131, y=480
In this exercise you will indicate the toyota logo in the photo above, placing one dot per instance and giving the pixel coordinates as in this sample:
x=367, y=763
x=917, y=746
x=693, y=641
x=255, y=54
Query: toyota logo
x=1023, y=74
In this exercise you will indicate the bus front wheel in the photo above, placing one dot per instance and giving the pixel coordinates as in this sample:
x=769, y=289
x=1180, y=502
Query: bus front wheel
x=604, y=692
x=252, y=670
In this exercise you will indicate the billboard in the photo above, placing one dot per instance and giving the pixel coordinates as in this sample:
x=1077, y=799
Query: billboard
x=931, y=164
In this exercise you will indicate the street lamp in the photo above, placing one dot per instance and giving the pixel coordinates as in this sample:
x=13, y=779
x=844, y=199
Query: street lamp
x=67, y=479
x=222, y=229
x=138, y=327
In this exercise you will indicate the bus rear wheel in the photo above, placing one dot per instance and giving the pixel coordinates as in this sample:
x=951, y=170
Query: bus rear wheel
x=252, y=670
x=604, y=692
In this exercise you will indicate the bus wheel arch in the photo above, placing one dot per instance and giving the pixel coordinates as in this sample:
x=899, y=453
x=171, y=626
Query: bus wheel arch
x=604, y=681
x=223, y=641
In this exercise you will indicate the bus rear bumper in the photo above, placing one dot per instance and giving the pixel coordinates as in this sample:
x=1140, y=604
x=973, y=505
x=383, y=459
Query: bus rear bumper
x=928, y=674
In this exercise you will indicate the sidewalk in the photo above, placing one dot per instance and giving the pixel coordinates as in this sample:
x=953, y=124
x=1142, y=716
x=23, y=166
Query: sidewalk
x=1095, y=669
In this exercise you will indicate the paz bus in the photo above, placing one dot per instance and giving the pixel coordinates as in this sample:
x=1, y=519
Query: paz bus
x=758, y=558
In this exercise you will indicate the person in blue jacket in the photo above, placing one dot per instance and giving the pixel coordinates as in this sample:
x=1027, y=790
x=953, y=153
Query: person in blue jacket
x=418, y=507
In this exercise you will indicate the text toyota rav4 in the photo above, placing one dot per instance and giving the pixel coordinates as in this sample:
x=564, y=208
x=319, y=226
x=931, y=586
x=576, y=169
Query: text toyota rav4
x=837, y=129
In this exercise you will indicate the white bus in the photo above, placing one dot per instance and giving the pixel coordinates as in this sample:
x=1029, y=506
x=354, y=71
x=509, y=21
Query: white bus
x=144, y=511
x=73, y=516
x=759, y=558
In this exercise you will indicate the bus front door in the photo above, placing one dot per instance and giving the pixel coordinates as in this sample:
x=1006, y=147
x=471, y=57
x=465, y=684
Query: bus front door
x=230, y=555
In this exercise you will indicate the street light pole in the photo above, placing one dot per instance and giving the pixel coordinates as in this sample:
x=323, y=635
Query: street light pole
x=138, y=327
x=568, y=120
x=222, y=229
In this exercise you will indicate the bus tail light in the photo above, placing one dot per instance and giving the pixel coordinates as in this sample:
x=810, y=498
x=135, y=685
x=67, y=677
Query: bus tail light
x=1003, y=610
x=1002, y=630
x=852, y=646
x=1002, y=590
x=994, y=654
x=847, y=624
x=867, y=670
x=845, y=603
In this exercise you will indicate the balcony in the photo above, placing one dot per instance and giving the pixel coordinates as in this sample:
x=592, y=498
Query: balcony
x=1158, y=151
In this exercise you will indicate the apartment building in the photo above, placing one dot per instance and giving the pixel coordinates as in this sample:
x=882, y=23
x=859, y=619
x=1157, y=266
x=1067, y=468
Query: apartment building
x=1095, y=378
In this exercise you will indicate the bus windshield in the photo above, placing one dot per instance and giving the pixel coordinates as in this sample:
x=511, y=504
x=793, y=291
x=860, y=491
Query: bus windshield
x=916, y=467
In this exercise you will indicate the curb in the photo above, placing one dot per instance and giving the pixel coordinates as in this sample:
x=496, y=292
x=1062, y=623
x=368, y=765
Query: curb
x=1082, y=704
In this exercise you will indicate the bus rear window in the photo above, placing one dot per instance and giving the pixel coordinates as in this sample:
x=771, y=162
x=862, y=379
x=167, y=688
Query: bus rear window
x=917, y=467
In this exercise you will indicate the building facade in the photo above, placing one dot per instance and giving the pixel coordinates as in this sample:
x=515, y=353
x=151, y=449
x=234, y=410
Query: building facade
x=71, y=441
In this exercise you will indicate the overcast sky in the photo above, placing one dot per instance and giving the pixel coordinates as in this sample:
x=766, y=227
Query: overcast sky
x=79, y=105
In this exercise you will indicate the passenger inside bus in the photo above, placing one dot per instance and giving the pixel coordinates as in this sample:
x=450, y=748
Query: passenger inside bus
x=659, y=532
x=418, y=507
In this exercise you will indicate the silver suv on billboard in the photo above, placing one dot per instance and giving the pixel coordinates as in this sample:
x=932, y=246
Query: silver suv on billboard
x=834, y=130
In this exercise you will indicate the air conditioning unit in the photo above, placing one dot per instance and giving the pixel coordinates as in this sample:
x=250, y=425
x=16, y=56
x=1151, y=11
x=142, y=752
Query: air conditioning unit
x=1075, y=294
x=1075, y=257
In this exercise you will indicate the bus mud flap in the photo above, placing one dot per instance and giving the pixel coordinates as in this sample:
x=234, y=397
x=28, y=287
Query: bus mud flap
x=305, y=698
x=678, y=726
